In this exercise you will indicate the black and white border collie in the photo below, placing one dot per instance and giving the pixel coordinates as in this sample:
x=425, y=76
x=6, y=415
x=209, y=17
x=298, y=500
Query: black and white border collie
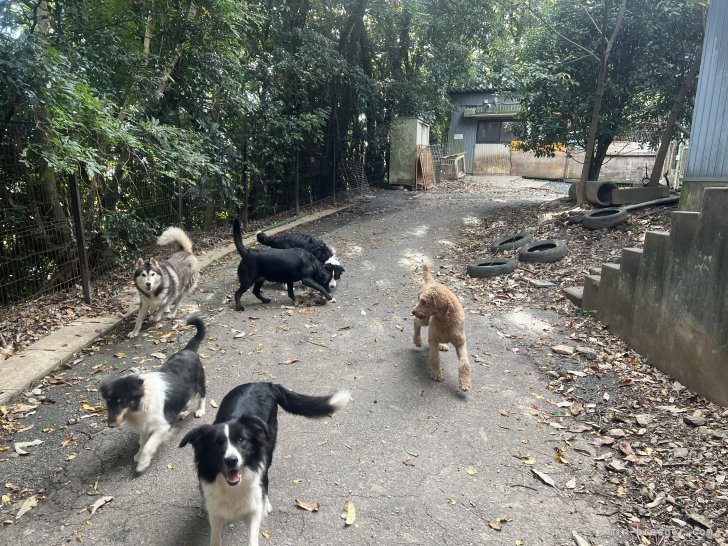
x=153, y=401
x=324, y=254
x=233, y=454
x=284, y=265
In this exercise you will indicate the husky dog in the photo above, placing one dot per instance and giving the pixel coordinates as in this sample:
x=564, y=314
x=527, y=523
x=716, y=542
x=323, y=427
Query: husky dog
x=161, y=285
x=234, y=453
x=152, y=402
x=323, y=252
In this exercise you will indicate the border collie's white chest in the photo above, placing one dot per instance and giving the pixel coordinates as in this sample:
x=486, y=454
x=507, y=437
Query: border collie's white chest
x=233, y=502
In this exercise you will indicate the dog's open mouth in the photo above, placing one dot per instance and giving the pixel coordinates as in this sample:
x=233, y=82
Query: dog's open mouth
x=233, y=476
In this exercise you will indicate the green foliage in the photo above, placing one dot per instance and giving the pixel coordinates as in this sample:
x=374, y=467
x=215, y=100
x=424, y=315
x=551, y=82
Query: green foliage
x=556, y=60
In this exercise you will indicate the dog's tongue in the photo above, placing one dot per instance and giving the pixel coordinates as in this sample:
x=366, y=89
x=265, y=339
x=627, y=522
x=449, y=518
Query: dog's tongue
x=233, y=476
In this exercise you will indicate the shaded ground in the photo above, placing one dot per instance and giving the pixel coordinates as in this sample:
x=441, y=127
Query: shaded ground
x=422, y=463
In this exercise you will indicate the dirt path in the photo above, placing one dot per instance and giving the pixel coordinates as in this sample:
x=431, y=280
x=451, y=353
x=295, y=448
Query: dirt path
x=422, y=463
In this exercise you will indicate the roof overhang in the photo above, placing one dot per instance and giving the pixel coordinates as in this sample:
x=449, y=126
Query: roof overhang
x=505, y=112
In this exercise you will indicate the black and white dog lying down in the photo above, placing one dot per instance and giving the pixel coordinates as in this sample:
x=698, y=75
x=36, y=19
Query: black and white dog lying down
x=152, y=402
x=317, y=247
x=286, y=266
x=233, y=454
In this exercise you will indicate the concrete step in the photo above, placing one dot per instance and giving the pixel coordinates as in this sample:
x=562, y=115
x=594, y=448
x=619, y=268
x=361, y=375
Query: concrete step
x=574, y=294
x=656, y=242
x=684, y=230
x=590, y=299
x=630, y=262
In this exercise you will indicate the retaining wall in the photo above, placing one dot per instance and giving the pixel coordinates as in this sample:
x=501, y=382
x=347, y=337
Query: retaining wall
x=669, y=299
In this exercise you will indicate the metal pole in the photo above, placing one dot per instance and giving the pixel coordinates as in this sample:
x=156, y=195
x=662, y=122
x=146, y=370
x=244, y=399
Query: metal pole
x=80, y=238
x=298, y=210
x=333, y=174
x=179, y=202
x=245, y=182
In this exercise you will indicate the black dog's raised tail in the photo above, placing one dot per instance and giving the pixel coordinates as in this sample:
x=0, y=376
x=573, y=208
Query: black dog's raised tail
x=310, y=406
x=194, y=343
x=238, y=236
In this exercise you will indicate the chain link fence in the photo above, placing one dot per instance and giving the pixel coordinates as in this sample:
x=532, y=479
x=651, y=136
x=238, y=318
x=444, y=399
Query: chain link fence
x=42, y=241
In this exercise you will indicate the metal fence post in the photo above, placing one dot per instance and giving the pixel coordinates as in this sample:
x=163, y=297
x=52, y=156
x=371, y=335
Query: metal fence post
x=298, y=209
x=333, y=175
x=245, y=182
x=80, y=237
x=180, y=217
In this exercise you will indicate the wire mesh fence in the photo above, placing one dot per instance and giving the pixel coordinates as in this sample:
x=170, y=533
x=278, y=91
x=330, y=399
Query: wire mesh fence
x=118, y=217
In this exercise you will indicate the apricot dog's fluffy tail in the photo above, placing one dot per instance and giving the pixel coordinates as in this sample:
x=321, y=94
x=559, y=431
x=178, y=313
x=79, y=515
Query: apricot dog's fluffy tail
x=428, y=276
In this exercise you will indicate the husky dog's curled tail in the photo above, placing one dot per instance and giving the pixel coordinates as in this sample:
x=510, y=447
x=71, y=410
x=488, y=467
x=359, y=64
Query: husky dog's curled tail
x=428, y=275
x=194, y=343
x=310, y=406
x=178, y=236
x=238, y=236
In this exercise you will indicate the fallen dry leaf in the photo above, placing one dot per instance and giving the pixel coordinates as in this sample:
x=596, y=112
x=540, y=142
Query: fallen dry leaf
x=99, y=503
x=310, y=506
x=545, y=478
x=28, y=504
x=289, y=361
x=20, y=446
x=349, y=513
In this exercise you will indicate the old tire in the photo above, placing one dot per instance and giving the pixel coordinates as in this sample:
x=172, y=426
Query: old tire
x=511, y=241
x=548, y=250
x=604, y=218
x=491, y=267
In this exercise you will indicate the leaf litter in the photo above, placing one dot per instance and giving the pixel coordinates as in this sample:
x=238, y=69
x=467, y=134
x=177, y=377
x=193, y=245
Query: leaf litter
x=662, y=449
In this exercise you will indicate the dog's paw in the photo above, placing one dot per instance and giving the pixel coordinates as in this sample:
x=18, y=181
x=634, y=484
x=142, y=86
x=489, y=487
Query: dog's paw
x=142, y=465
x=200, y=412
x=417, y=340
x=265, y=300
x=133, y=334
x=464, y=384
x=443, y=347
x=136, y=457
x=436, y=376
x=267, y=508
x=182, y=414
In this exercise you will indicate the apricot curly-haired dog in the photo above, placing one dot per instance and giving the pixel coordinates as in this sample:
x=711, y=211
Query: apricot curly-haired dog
x=440, y=310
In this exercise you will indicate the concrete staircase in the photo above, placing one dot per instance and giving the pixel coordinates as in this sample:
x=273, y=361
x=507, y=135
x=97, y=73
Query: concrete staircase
x=669, y=300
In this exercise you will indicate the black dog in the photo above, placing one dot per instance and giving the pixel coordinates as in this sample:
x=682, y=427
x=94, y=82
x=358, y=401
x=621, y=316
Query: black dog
x=324, y=254
x=277, y=265
x=233, y=454
x=152, y=402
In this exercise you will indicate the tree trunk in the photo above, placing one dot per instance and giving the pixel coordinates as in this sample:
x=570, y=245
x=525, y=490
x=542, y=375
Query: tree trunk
x=677, y=105
x=604, y=57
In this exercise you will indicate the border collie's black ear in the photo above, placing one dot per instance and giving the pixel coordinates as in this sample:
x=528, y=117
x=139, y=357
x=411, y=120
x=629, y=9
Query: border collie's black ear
x=105, y=389
x=137, y=386
x=255, y=423
x=193, y=436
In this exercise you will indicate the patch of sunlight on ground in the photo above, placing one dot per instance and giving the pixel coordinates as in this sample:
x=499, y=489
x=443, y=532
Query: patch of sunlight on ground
x=524, y=319
x=413, y=260
x=471, y=220
x=445, y=242
x=419, y=231
x=353, y=251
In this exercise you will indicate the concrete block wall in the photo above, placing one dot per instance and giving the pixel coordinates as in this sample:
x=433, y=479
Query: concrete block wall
x=669, y=300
